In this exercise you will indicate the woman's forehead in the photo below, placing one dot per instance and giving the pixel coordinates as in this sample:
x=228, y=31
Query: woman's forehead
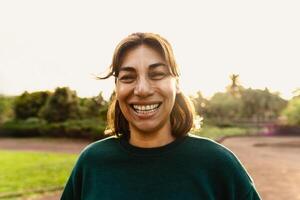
x=142, y=52
x=141, y=56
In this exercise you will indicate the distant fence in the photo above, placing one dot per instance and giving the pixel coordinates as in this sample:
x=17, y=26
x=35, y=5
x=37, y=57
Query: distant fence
x=285, y=130
x=267, y=127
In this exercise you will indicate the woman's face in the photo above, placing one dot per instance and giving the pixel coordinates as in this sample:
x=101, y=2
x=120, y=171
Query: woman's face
x=146, y=90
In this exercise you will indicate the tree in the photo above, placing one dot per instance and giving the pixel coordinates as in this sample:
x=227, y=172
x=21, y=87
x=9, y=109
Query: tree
x=93, y=107
x=200, y=103
x=235, y=87
x=296, y=93
x=29, y=104
x=6, y=108
x=223, y=108
x=292, y=112
x=260, y=104
x=62, y=105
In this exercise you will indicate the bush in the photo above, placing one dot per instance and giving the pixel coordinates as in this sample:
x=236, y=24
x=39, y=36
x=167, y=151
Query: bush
x=61, y=106
x=92, y=129
x=223, y=109
x=29, y=104
x=216, y=133
x=292, y=112
x=6, y=108
x=93, y=107
x=22, y=128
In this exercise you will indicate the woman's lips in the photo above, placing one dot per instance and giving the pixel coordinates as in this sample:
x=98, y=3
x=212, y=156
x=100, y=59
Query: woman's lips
x=146, y=110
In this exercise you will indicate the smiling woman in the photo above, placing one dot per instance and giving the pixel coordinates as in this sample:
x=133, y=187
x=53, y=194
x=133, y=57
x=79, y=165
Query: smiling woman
x=152, y=155
x=146, y=95
x=145, y=67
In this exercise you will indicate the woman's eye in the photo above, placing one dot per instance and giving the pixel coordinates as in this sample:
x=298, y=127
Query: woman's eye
x=157, y=75
x=127, y=78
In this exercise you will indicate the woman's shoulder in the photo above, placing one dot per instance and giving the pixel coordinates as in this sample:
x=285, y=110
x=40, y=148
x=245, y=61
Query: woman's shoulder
x=221, y=164
x=205, y=144
x=219, y=156
x=205, y=148
x=100, y=148
x=108, y=142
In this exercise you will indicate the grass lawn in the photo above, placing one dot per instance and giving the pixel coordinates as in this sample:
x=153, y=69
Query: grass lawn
x=214, y=133
x=26, y=172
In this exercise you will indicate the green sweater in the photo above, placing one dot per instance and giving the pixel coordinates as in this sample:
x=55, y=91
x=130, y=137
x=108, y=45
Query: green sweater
x=188, y=168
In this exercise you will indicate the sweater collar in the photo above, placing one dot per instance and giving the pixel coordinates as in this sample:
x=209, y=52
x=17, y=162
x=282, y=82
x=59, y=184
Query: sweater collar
x=150, y=151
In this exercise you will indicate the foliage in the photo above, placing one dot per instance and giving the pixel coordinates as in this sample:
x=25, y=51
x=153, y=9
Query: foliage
x=231, y=108
x=23, y=128
x=62, y=105
x=261, y=104
x=61, y=114
x=223, y=108
x=296, y=93
x=234, y=88
x=292, y=112
x=6, y=111
x=93, y=107
x=199, y=103
x=29, y=171
x=215, y=133
x=239, y=105
x=88, y=128
x=29, y=104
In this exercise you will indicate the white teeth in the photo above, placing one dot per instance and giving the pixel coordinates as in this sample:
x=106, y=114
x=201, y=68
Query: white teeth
x=145, y=107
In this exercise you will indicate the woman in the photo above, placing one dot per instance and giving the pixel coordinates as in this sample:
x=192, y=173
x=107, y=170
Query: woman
x=152, y=156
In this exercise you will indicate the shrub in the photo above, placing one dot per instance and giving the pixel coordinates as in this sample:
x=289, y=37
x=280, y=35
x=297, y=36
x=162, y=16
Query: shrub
x=92, y=129
x=62, y=105
x=6, y=108
x=29, y=104
x=22, y=128
x=223, y=109
x=292, y=112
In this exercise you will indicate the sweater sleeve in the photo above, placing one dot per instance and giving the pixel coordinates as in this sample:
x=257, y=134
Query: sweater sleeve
x=243, y=181
x=73, y=187
x=252, y=195
x=239, y=182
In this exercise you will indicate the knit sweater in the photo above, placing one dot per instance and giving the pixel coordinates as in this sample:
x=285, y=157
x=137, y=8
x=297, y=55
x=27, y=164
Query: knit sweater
x=188, y=168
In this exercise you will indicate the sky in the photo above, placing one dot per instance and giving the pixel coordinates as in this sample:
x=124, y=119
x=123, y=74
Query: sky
x=49, y=44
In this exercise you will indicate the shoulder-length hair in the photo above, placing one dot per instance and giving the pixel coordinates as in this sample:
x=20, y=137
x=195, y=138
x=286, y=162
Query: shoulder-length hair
x=182, y=113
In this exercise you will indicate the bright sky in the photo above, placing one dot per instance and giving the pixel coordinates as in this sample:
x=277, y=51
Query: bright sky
x=46, y=44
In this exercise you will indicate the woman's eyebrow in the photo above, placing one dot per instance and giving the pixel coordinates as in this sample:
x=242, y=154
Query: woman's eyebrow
x=154, y=65
x=127, y=69
x=131, y=69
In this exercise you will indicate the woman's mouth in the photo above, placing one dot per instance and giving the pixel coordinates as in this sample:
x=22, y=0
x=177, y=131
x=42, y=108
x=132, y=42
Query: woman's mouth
x=145, y=109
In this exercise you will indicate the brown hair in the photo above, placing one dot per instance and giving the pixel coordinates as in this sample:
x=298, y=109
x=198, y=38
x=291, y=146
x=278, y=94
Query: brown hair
x=182, y=113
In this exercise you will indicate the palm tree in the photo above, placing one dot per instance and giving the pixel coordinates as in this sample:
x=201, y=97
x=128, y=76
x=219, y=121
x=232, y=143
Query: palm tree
x=235, y=87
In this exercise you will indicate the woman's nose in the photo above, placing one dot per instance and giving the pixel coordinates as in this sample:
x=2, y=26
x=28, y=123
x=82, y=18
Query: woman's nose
x=143, y=88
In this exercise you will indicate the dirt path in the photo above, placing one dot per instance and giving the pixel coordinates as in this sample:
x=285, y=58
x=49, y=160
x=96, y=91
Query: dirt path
x=273, y=162
x=43, y=144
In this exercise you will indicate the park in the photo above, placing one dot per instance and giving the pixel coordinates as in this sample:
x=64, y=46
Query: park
x=42, y=134
x=237, y=62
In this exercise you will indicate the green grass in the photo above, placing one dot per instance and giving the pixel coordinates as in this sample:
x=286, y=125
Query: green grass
x=26, y=172
x=215, y=133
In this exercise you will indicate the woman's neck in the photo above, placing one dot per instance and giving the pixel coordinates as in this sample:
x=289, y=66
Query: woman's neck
x=150, y=140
